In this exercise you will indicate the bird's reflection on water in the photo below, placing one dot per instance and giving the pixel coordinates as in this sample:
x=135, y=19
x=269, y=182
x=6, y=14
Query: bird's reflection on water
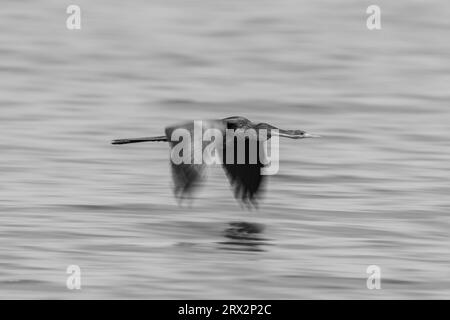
x=244, y=236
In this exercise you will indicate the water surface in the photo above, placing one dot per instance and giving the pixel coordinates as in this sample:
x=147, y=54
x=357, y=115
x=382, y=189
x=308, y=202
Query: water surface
x=374, y=190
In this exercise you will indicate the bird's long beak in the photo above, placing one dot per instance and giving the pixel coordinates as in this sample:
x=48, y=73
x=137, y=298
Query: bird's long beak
x=294, y=134
x=310, y=135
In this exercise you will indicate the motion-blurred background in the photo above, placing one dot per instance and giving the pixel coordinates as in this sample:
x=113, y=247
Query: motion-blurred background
x=373, y=191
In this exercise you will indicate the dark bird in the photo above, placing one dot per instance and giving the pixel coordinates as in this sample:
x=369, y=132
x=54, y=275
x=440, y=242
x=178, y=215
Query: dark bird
x=245, y=175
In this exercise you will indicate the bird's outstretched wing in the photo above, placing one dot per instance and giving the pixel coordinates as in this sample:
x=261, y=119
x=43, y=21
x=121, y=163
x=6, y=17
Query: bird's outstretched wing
x=246, y=179
x=187, y=177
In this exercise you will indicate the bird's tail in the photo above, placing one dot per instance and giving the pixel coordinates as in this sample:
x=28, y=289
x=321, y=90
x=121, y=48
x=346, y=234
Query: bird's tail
x=135, y=140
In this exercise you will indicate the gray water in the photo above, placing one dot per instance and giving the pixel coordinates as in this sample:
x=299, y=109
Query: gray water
x=373, y=191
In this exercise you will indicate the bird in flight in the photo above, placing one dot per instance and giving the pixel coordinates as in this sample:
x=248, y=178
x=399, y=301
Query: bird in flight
x=243, y=164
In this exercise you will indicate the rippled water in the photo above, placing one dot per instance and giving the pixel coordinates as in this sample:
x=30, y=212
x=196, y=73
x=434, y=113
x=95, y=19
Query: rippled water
x=373, y=191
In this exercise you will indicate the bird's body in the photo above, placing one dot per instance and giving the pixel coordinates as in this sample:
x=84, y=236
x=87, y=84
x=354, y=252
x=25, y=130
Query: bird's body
x=243, y=165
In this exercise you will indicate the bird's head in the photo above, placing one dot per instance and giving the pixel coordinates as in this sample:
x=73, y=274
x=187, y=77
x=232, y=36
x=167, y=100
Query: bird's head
x=292, y=134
